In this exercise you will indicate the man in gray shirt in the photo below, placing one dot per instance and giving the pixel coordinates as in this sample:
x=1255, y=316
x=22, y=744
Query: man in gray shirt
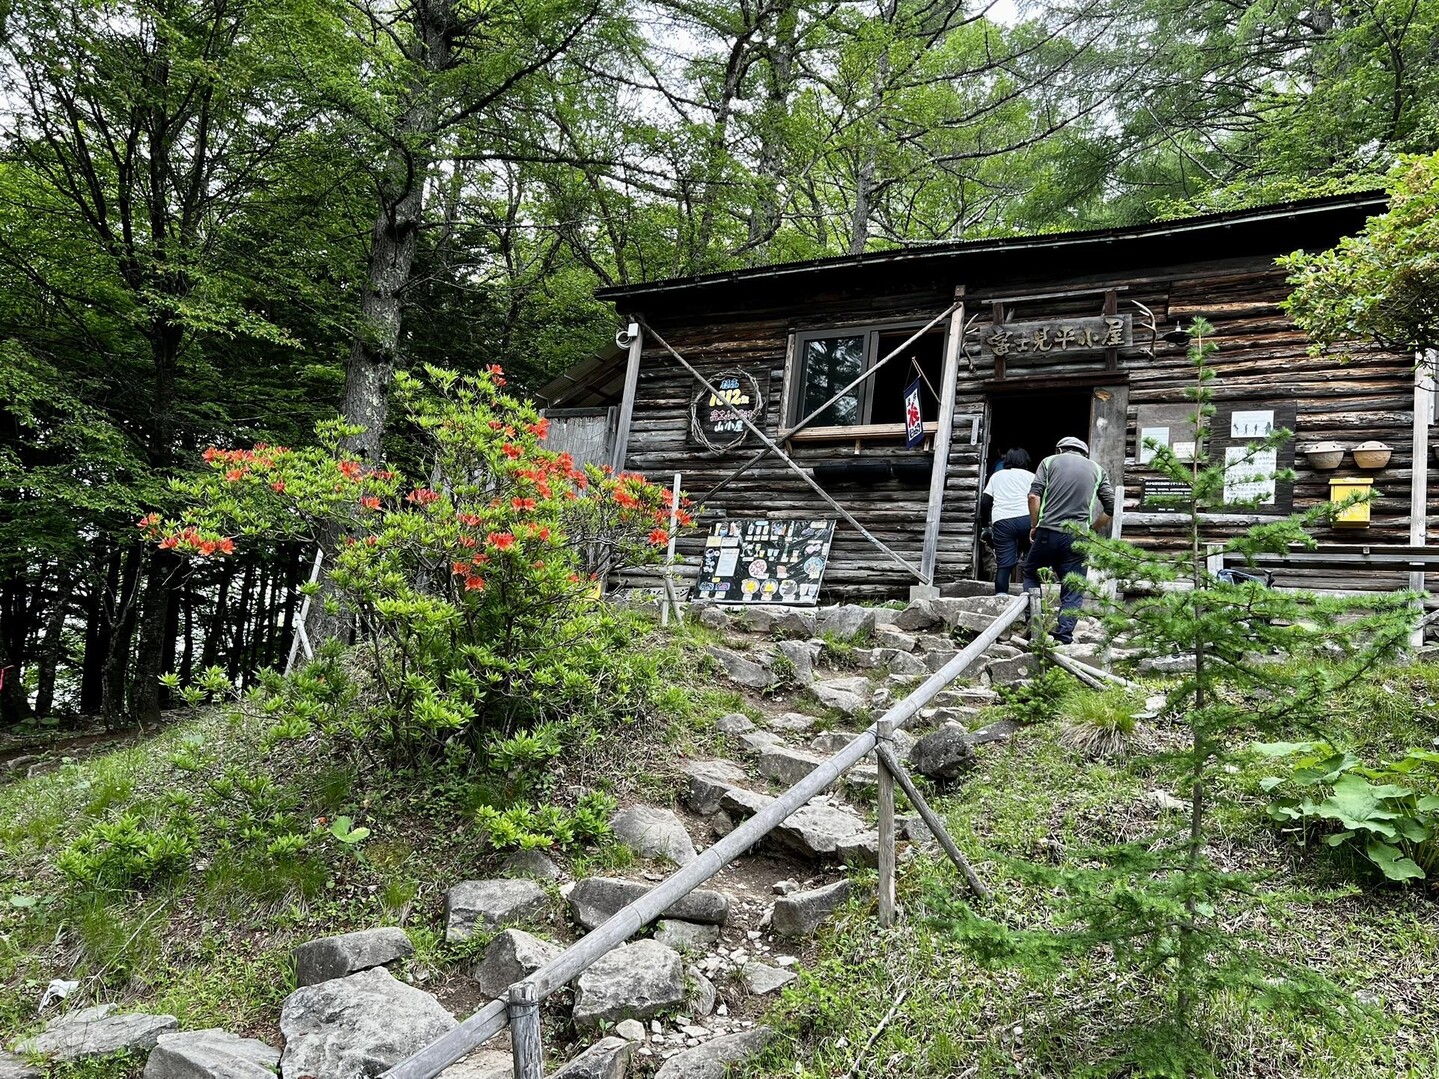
x=1066, y=488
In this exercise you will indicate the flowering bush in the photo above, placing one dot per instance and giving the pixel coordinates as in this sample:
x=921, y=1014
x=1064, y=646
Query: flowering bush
x=475, y=592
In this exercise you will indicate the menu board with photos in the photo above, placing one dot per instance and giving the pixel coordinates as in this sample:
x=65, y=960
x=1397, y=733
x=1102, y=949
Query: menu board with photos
x=765, y=561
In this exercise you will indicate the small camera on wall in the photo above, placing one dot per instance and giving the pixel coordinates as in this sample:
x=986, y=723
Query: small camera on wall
x=626, y=337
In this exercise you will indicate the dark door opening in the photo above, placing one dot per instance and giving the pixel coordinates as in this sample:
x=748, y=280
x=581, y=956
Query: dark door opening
x=1035, y=422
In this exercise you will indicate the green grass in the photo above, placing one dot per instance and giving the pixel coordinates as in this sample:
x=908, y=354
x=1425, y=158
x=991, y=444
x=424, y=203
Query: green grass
x=1037, y=800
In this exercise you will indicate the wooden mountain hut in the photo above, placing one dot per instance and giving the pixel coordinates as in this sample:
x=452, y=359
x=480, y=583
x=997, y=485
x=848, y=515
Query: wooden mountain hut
x=1011, y=342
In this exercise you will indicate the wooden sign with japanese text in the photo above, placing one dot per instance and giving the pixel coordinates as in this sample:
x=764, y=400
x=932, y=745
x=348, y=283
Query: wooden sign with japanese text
x=1055, y=337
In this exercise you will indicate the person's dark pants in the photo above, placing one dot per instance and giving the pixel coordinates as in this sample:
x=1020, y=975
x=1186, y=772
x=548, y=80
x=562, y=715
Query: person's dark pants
x=1010, y=536
x=1055, y=550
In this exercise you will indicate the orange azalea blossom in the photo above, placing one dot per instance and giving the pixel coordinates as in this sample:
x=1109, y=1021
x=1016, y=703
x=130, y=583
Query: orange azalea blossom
x=467, y=541
x=235, y=474
x=474, y=584
x=495, y=425
x=510, y=450
x=422, y=496
x=460, y=568
x=659, y=537
x=350, y=469
x=544, y=533
x=539, y=430
x=278, y=487
x=684, y=518
x=481, y=559
x=370, y=502
x=501, y=540
x=470, y=519
x=522, y=503
x=496, y=373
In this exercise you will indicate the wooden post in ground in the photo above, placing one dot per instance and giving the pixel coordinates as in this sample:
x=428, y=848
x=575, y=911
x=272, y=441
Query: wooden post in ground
x=1419, y=480
x=884, y=732
x=931, y=818
x=670, y=599
x=525, y=1044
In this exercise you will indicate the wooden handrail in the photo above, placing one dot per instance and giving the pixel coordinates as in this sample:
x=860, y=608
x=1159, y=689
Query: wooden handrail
x=574, y=960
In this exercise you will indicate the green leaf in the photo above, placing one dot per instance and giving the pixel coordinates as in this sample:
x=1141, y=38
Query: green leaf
x=342, y=829
x=1268, y=783
x=1392, y=863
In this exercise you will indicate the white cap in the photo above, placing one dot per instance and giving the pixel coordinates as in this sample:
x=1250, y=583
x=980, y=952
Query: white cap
x=1069, y=442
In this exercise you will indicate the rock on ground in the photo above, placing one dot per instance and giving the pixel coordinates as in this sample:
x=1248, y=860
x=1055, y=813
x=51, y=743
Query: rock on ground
x=13, y=1067
x=787, y=766
x=608, y=1058
x=595, y=900
x=673, y=933
x=512, y=957
x=701, y=998
x=819, y=830
x=801, y=654
x=635, y=981
x=712, y=1059
x=708, y=780
x=741, y=671
x=1003, y=672
x=485, y=904
x=847, y=695
x=760, y=978
x=535, y=864
x=846, y=621
x=734, y=723
x=943, y=754
x=653, y=833
x=211, y=1054
x=337, y=957
x=97, y=1031
x=799, y=914
x=357, y=1026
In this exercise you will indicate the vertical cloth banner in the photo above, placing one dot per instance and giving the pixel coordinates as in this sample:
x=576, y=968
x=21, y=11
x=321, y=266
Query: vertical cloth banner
x=913, y=420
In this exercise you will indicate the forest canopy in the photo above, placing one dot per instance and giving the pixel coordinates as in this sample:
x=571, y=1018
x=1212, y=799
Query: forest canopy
x=225, y=221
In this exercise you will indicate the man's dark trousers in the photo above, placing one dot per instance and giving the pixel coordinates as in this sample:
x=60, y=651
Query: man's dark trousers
x=1055, y=551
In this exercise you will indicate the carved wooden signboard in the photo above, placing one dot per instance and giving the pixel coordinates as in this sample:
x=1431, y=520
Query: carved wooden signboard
x=1057, y=336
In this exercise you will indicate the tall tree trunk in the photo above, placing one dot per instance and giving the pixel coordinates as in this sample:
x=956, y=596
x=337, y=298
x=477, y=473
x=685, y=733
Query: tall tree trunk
x=14, y=604
x=121, y=607
x=50, y=646
x=98, y=629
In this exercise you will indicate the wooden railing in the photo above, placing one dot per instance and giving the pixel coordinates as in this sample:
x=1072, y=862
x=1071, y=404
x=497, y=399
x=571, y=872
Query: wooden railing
x=520, y=1010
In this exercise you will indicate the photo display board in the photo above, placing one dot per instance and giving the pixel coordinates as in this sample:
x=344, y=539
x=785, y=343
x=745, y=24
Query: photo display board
x=769, y=560
x=1232, y=429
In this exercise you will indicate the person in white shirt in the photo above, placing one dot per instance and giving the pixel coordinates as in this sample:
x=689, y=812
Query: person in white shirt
x=1004, y=513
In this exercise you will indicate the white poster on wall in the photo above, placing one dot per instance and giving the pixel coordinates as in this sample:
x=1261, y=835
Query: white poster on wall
x=1259, y=424
x=1146, y=434
x=1249, y=478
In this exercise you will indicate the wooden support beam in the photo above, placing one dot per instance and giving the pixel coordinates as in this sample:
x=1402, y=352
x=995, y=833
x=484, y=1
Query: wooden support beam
x=939, y=469
x=884, y=733
x=1419, y=477
x=931, y=818
x=627, y=401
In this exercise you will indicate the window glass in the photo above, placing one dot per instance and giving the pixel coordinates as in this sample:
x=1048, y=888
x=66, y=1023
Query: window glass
x=830, y=364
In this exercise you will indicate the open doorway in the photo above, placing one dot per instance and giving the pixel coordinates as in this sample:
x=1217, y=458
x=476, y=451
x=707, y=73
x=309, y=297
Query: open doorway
x=1035, y=422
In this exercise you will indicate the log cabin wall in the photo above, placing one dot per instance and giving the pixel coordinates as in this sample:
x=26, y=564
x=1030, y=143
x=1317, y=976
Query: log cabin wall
x=746, y=321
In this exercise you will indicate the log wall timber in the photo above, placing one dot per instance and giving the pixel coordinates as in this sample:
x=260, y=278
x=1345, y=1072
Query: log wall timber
x=1262, y=362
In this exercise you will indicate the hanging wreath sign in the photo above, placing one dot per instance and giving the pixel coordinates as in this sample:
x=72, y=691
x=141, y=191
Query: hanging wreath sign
x=717, y=419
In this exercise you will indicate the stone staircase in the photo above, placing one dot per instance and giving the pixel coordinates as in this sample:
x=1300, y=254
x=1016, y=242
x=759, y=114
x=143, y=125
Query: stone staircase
x=688, y=1000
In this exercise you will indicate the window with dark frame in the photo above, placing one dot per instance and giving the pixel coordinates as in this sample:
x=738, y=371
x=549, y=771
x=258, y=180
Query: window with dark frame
x=829, y=360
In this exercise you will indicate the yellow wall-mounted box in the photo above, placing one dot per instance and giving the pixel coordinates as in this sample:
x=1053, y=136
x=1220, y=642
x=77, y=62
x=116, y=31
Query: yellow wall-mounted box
x=1356, y=515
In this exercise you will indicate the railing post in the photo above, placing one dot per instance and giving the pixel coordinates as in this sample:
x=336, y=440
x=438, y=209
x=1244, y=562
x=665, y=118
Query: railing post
x=884, y=733
x=525, y=1045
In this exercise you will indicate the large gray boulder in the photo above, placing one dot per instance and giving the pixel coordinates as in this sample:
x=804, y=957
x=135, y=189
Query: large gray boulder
x=595, y=900
x=653, y=833
x=908, y=665
x=844, y=622
x=13, y=1067
x=211, y=1054
x=713, y=1059
x=741, y=671
x=761, y=978
x=823, y=832
x=799, y=914
x=759, y=741
x=920, y=614
x=96, y=1031
x=635, y=981
x=357, y=1026
x=337, y=957
x=943, y=754
x=708, y=780
x=734, y=723
x=535, y=864
x=512, y=957
x=485, y=904
x=1004, y=672
x=608, y=1058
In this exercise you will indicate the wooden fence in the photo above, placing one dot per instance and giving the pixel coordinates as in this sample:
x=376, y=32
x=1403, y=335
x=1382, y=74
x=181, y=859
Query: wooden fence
x=520, y=1010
